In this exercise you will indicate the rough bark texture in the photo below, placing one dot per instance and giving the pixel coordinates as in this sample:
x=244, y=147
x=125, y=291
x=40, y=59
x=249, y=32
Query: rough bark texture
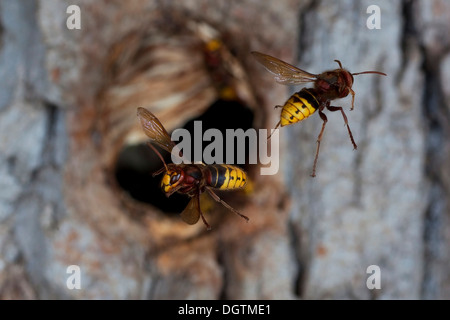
x=68, y=104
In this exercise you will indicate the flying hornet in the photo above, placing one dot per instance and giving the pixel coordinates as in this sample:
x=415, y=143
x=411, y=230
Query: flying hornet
x=329, y=85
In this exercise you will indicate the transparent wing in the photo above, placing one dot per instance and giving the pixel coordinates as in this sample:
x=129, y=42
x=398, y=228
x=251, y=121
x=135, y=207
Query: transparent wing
x=283, y=71
x=154, y=129
x=226, y=205
x=191, y=213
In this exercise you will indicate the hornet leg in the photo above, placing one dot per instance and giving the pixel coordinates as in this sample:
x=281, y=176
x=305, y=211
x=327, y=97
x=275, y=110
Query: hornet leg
x=353, y=99
x=319, y=138
x=208, y=227
x=226, y=205
x=276, y=127
x=278, y=124
x=331, y=108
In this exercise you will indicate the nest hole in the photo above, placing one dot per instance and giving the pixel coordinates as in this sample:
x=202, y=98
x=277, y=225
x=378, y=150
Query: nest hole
x=136, y=163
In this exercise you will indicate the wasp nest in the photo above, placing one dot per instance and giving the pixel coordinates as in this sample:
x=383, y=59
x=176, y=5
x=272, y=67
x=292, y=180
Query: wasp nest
x=182, y=68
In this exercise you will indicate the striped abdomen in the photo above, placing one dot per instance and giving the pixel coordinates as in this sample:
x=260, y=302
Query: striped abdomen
x=299, y=106
x=224, y=176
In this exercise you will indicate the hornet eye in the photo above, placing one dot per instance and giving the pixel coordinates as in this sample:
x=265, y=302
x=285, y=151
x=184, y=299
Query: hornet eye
x=174, y=179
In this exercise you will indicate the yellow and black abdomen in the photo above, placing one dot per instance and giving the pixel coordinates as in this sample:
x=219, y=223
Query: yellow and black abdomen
x=299, y=106
x=225, y=177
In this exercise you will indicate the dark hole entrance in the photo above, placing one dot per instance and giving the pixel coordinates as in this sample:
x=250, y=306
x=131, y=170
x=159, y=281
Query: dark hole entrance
x=136, y=163
x=223, y=115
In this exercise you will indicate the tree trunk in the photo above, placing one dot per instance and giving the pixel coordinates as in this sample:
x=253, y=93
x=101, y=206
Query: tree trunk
x=68, y=105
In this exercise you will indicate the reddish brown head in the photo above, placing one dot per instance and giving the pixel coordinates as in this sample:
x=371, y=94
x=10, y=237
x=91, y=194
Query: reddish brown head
x=172, y=180
x=338, y=83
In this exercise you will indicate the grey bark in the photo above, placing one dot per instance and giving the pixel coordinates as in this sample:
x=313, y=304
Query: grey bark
x=68, y=102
